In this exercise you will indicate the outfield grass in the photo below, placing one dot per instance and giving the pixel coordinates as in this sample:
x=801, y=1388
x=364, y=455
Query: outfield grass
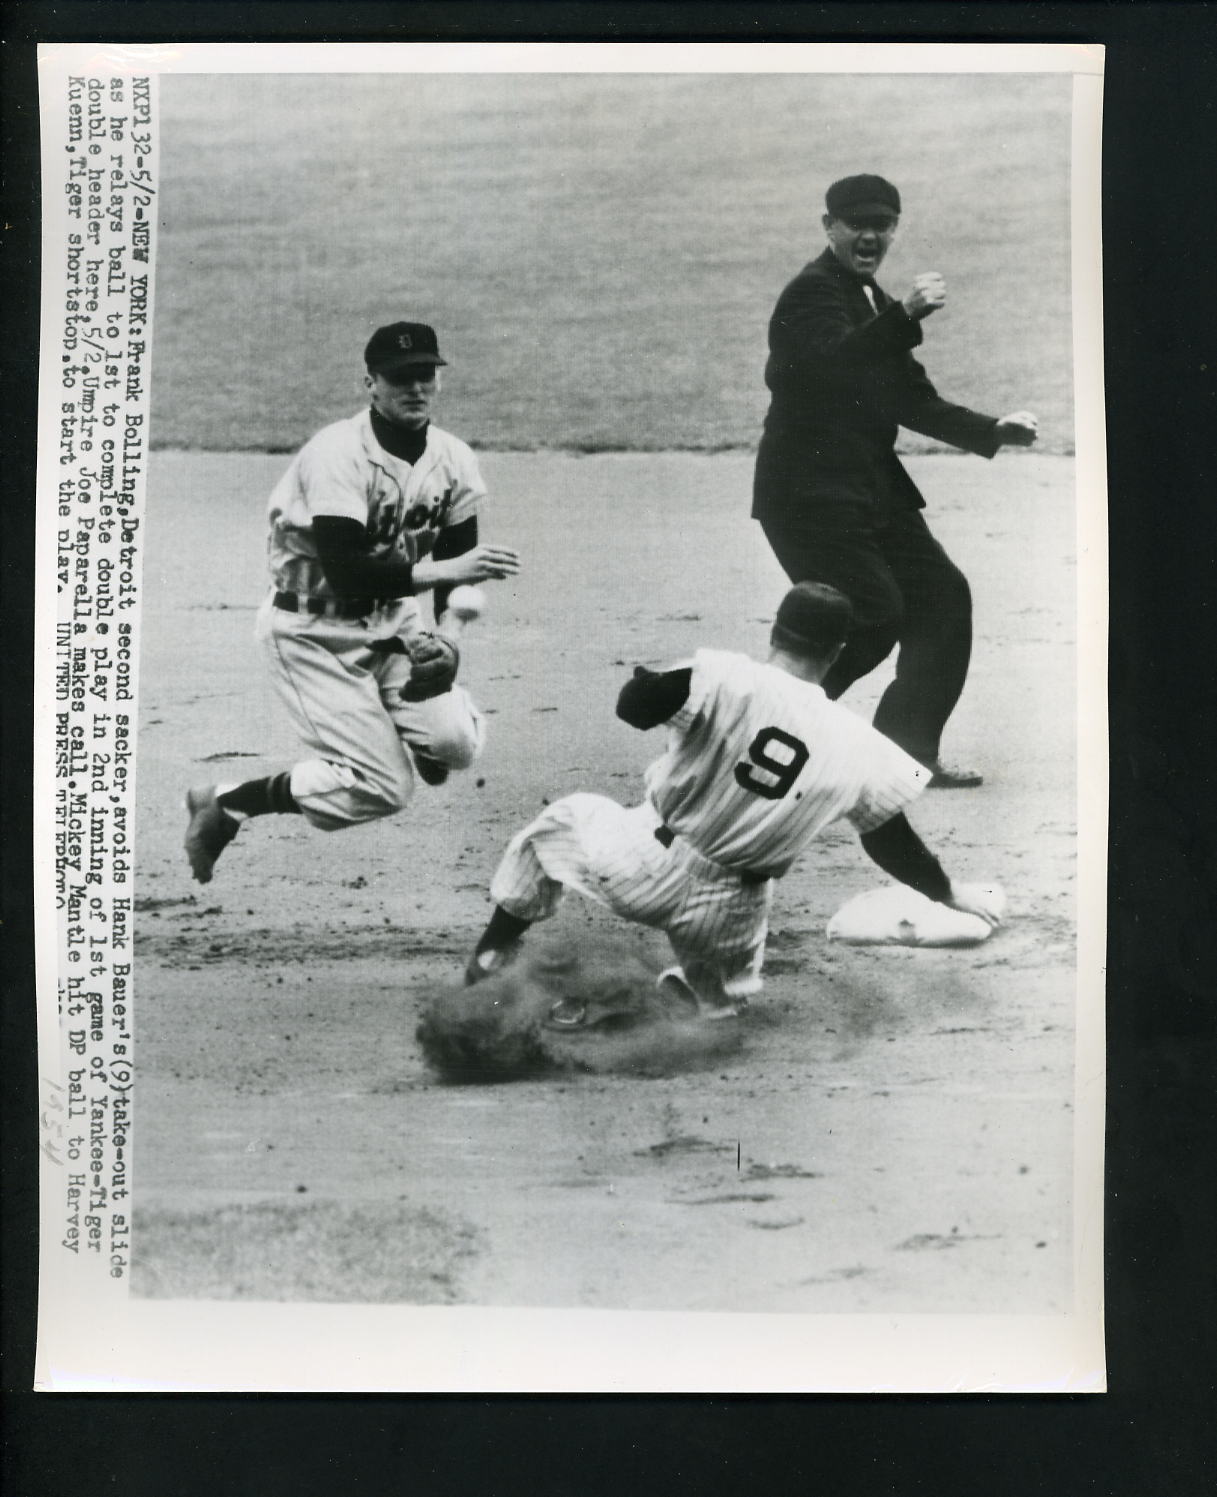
x=599, y=253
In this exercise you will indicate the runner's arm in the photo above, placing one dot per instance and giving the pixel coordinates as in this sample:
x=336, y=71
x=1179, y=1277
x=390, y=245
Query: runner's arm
x=899, y=851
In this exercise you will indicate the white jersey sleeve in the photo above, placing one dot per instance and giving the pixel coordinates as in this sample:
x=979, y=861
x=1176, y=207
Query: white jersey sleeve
x=331, y=476
x=894, y=781
x=328, y=476
x=468, y=486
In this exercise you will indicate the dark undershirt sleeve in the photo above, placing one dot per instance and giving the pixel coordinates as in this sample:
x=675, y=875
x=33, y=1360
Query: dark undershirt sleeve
x=345, y=554
x=899, y=851
x=651, y=697
x=453, y=540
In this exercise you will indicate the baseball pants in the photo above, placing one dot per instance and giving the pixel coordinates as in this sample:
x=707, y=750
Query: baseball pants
x=905, y=591
x=344, y=700
x=715, y=920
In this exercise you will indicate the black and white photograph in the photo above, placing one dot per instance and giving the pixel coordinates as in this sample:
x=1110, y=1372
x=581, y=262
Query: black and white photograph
x=601, y=649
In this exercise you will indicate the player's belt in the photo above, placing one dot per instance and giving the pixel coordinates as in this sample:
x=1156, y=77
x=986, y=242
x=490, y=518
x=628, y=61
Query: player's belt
x=665, y=836
x=333, y=608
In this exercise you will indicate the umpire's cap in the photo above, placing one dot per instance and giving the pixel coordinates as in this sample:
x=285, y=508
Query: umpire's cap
x=864, y=194
x=402, y=346
x=812, y=617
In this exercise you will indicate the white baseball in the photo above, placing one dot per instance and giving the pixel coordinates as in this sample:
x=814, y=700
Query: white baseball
x=466, y=602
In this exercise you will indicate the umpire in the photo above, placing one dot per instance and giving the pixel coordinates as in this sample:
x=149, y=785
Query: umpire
x=835, y=503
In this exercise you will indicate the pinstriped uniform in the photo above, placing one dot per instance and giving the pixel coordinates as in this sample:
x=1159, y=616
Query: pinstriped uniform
x=343, y=698
x=758, y=763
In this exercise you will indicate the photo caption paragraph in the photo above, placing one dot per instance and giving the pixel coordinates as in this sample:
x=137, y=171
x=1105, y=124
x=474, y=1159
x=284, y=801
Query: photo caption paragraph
x=98, y=245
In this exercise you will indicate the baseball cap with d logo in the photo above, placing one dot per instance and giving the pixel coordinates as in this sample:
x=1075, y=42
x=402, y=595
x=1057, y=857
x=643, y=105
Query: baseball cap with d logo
x=401, y=346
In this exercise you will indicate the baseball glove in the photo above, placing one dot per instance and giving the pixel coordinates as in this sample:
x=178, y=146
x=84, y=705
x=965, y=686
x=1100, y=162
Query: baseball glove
x=434, y=661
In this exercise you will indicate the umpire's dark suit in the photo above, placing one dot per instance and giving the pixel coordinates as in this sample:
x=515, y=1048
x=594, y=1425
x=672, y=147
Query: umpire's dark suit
x=837, y=505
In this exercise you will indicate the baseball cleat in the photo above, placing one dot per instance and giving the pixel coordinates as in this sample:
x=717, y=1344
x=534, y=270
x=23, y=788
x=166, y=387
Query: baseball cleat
x=488, y=963
x=674, y=984
x=209, y=832
x=611, y=1011
x=567, y=1013
x=430, y=770
x=948, y=777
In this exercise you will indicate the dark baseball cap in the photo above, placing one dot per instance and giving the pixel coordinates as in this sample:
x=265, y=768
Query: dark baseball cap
x=864, y=194
x=400, y=346
x=812, y=615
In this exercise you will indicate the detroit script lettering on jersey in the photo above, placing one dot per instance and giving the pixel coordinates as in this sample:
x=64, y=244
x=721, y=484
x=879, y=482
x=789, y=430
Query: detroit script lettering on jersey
x=344, y=471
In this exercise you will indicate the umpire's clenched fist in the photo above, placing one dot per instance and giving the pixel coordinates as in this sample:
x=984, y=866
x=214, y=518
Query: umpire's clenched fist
x=1019, y=429
x=928, y=294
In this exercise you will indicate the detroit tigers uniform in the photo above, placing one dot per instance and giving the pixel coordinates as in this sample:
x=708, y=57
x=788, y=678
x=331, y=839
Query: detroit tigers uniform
x=342, y=695
x=758, y=764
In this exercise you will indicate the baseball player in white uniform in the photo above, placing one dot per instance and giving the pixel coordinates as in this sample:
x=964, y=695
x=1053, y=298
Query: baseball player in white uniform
x=372, y=511
x=759, y=761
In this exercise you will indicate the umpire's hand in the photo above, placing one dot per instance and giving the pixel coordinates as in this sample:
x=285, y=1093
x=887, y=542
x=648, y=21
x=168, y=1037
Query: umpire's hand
x=928, y=294
x=1018, y=430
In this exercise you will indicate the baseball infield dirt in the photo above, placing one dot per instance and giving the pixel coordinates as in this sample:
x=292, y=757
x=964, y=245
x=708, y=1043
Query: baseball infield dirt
x=886, y=1130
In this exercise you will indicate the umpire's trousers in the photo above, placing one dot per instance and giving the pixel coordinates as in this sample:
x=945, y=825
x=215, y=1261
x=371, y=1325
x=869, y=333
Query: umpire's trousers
x=905, y=591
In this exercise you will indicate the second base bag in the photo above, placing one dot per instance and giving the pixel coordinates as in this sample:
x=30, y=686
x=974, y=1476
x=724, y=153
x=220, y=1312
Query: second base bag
x=899, y=916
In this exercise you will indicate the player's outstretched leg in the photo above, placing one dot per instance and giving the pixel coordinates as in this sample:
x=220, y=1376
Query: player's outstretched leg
x=523, y=882
x=216, y=813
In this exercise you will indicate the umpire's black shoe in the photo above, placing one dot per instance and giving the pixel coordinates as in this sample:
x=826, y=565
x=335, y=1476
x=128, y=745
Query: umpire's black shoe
x=209, y=831
x=948, y=777
x=430, y=770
